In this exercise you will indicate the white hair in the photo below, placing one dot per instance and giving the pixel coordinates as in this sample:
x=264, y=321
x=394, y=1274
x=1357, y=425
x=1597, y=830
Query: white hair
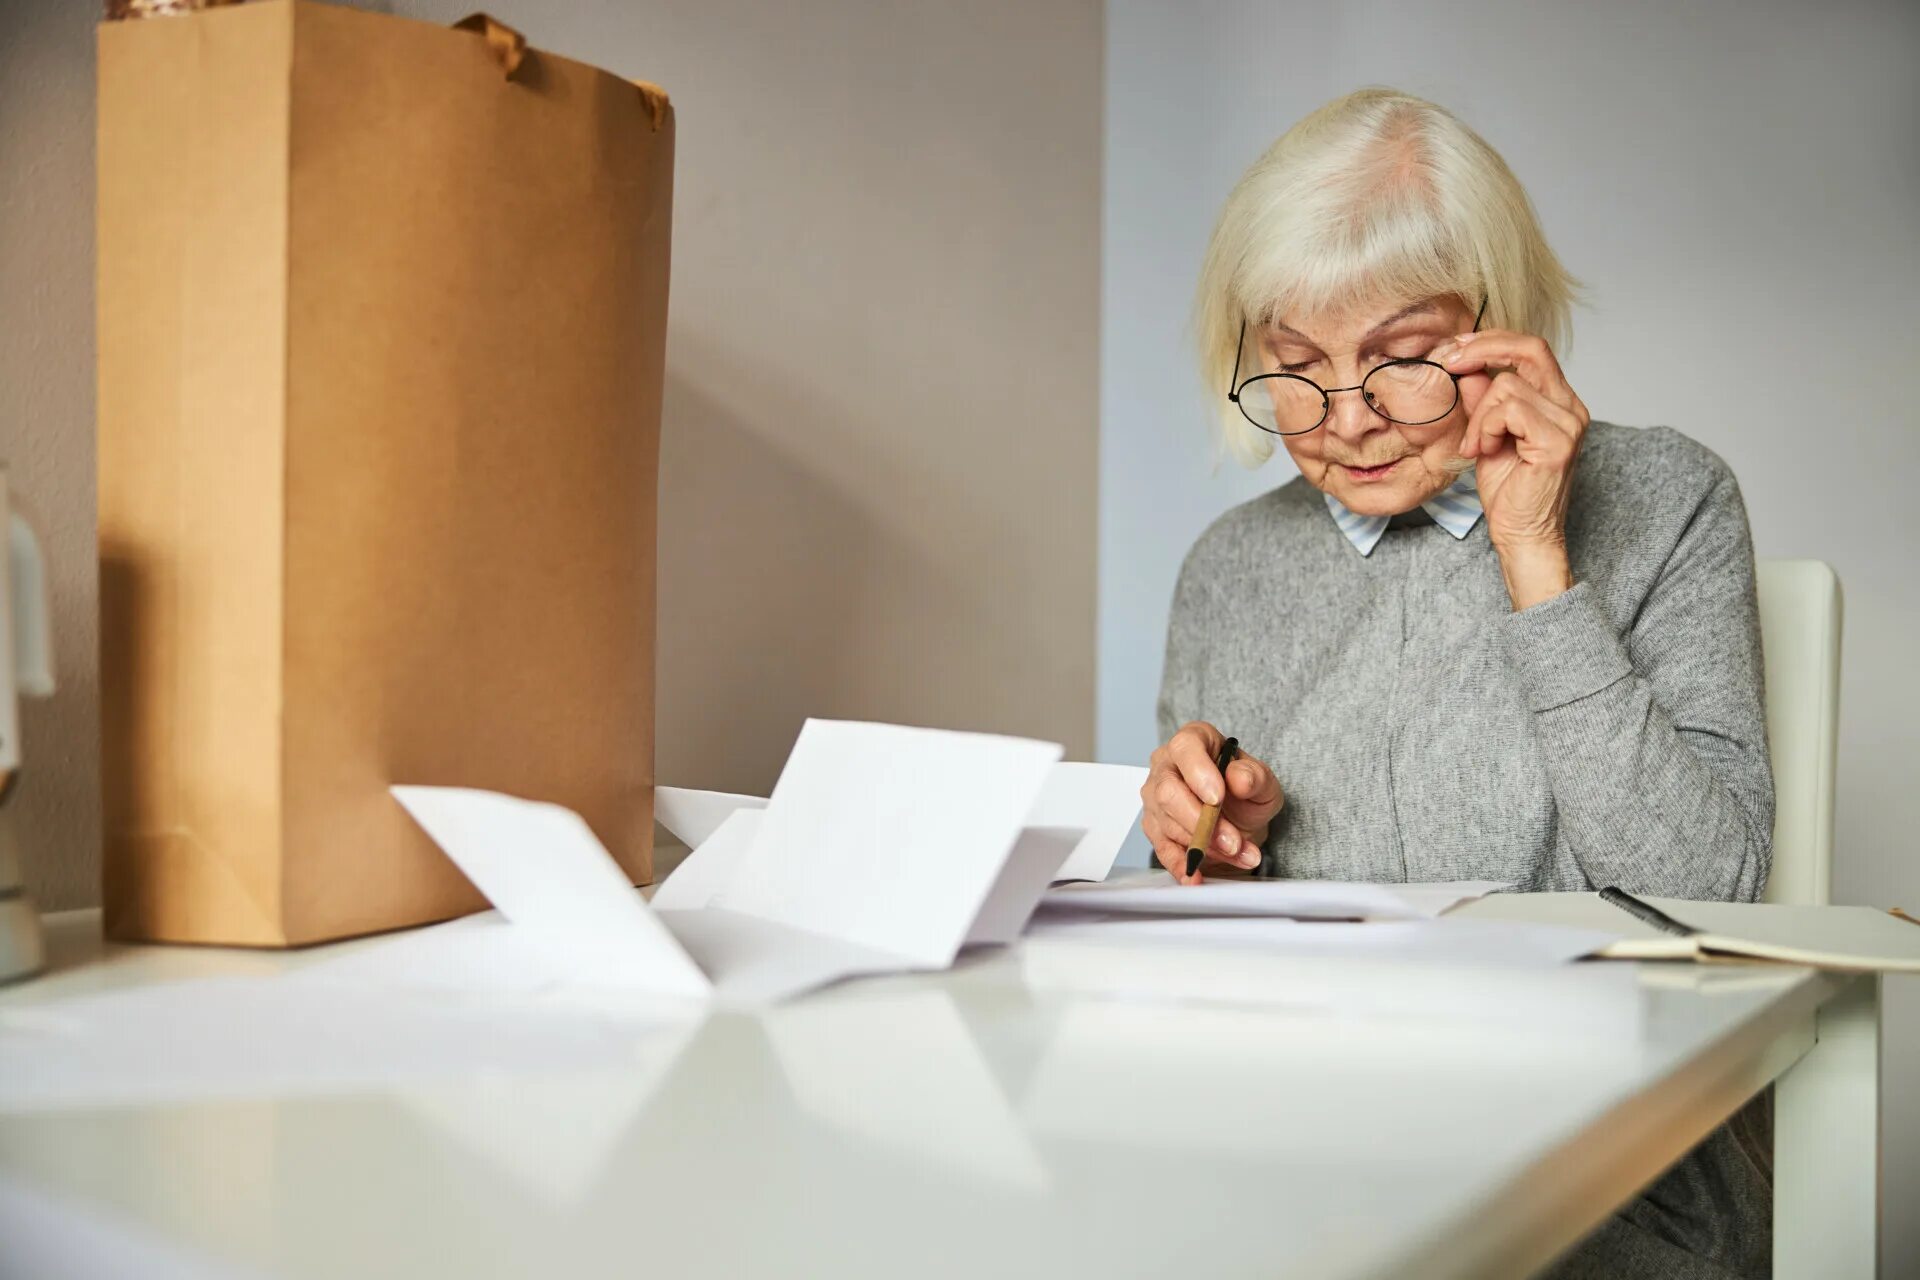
x=1377, y=197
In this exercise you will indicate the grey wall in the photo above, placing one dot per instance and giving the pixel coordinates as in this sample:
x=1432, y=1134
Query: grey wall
x=46, y=416
x=880, y=371
x=1739, y=184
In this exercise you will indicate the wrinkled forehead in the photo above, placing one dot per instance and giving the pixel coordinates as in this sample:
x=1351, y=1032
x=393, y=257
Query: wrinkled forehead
x=1351, y=324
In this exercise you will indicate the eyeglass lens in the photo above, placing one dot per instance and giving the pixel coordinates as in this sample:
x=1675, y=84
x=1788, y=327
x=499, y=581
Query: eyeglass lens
x=1410, y=392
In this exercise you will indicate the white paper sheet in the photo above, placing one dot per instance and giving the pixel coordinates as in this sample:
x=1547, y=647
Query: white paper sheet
x=547, y=873
x=1426, y=971
x=889, y=837
x=884, y=849
x=1103, y=800
x=693, y=816
x=1157, y=893
x=714, y=861
x=1447, y=941
x=756, y=962
x=1035, y=863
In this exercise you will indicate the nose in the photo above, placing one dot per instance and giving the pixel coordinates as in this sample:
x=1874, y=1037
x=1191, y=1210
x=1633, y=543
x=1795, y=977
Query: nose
x=1350, y=417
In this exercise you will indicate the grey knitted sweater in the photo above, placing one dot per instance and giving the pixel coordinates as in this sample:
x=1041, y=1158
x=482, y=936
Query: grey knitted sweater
x=1423, y=730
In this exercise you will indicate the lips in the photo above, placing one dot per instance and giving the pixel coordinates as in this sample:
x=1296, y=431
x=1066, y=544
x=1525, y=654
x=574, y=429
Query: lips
x=1379, y=472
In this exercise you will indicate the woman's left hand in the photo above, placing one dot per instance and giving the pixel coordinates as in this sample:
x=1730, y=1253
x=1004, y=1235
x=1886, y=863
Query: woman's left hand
x=1524, y=426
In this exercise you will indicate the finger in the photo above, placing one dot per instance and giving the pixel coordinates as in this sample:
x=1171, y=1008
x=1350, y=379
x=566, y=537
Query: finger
x=1254, y=792
x=1550, y=414
x=1496, y=417
x=1487, y=427
x=1172, y=856
x=1226, y=870
x=1526, y=354
x=1224, y=837
x=1536, y=438
x=1178, y=807
x=1230, y=842
x=1191, y=752
x=1527, y=415
x=1169, y=847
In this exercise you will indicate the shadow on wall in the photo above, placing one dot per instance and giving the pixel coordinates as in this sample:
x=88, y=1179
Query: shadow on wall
x=752, y=622
x=797, y=579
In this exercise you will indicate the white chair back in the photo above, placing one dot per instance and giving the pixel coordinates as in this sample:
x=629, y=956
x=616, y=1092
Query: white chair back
x=1800, y=629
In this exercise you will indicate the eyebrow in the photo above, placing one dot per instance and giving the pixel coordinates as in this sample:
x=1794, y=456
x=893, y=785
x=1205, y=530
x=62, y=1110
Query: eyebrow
x=1413, y=309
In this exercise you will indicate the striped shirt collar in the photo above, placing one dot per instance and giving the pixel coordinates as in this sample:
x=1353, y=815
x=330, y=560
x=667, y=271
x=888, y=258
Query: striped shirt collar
x=1456, y=509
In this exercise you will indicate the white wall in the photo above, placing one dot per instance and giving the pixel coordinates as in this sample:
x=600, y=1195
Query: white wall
x=1736, y=182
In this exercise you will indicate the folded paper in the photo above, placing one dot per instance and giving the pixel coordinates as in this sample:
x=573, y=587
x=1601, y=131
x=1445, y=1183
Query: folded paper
x=883, y=849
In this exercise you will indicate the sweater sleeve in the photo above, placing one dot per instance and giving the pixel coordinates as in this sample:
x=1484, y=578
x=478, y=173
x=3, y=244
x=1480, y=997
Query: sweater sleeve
x=1655, y=742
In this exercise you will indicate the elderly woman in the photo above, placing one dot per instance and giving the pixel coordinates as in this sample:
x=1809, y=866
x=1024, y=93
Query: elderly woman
x=1480, y=636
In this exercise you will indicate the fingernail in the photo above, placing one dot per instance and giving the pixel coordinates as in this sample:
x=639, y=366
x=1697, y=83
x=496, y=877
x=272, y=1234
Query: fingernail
x=1229, y=841
x=1249, y=857
x=1464, y=338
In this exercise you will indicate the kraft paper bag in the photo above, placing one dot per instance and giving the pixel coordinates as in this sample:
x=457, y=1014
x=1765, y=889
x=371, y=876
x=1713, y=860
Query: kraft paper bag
x=382, y=316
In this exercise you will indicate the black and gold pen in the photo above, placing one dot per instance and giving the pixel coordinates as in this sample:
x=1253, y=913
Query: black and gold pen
x=1210, y=813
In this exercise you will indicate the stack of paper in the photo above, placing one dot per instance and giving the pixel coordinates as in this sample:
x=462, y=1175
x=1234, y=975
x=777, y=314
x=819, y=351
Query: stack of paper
x=1297, y=943
x=1158, y=894
x=882, y=849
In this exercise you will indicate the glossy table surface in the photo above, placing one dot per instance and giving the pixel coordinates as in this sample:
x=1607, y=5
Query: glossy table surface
x=966, y=1123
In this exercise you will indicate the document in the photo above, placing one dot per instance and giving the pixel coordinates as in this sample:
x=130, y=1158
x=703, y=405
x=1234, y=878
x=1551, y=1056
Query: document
x=1447, y=970
x=1446, y=941
x=1097, y=803
x=546, y=872
x=693, y=816
x=702, y=873
x=1103, y=800
x=1157, y=893
x=887, y=836
x=882, y=849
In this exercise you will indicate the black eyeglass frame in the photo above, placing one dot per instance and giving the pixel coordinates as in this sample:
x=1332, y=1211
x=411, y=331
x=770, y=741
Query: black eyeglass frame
x=1235, y=386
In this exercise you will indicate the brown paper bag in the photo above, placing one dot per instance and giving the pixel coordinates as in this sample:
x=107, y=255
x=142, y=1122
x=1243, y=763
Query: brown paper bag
x=382, y=316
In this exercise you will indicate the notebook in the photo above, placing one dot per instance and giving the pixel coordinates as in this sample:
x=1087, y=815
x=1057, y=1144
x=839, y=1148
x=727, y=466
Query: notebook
x=1851, y=939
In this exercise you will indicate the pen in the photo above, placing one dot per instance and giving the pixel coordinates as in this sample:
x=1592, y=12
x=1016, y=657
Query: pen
x=1210, y=813
x=1646, y=912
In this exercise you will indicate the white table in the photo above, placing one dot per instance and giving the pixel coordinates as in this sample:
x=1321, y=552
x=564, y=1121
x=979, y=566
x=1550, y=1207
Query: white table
x=967, y=1125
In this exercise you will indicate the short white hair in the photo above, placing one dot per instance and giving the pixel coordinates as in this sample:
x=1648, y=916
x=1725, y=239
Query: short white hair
x=1376, y=197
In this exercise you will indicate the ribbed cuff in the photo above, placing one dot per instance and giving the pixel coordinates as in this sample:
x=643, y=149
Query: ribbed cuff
x=1563, y=649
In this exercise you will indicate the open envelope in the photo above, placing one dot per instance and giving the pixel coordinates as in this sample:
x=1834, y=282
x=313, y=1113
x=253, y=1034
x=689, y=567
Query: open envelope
x=882, y=849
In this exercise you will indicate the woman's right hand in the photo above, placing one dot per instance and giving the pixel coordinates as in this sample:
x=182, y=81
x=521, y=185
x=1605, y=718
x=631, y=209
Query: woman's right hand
x=1181, y=778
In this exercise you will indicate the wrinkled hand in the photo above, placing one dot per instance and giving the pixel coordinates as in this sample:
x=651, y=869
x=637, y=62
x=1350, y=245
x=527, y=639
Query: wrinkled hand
x=1181, y=778
x=1524, y=427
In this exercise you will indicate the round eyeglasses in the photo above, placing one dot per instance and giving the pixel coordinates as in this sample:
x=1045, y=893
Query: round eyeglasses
x=1409, y=392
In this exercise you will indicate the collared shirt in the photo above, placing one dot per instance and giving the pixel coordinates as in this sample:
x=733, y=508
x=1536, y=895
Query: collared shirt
x=1455, y=508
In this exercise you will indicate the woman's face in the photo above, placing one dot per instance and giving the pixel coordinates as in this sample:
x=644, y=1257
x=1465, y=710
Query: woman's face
x=1375, y=467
